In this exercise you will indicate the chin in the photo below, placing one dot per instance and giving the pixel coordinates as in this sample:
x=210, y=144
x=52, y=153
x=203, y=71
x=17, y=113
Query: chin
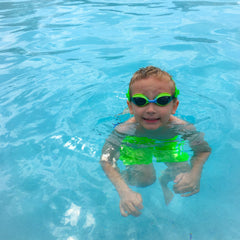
x=152, y=127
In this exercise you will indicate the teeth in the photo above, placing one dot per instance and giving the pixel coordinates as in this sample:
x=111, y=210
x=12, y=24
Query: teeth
x=151, y=119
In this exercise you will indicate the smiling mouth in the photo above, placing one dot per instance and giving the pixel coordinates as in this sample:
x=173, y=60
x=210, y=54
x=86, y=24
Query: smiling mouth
x=149, y=120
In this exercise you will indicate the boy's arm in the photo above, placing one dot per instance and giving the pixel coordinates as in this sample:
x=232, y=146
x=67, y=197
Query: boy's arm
x=189, y=183
x=130, y=201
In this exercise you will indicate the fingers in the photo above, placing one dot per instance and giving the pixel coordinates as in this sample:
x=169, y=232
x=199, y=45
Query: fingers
x=186, y=191
x=194, y=191
x=131, y=208
x=178, y=178
x=123, y=212
x=179, y=188
x=139, y=204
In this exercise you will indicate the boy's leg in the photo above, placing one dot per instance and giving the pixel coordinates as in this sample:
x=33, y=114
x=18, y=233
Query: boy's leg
x=169, y=175
x=164, y=179
x=140, y=175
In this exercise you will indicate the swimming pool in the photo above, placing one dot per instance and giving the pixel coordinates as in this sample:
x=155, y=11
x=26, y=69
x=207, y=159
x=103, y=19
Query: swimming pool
x=65, y=68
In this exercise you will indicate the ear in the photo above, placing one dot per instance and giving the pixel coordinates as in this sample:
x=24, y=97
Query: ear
x=175, y=106
x=130, y=107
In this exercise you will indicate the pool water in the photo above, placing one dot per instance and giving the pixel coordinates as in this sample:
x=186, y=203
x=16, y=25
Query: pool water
x=64, y=71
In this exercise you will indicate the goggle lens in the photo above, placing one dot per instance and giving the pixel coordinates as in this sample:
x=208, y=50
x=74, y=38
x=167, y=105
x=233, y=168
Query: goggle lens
x=140, y=101
x=164, y=100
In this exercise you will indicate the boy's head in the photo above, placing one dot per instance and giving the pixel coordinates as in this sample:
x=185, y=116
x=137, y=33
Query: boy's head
x=151, y=71
x=152, y=97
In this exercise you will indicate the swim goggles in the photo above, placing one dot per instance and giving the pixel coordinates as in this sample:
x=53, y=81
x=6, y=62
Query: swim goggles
x=161, y=100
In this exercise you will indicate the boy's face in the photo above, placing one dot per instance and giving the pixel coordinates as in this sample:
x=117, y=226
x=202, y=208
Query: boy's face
x=152, y=116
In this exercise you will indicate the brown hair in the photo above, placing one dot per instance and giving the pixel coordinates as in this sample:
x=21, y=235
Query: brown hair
x=150, y=71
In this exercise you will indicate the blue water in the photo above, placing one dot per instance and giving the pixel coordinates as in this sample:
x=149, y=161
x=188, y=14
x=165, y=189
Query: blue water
x=64, y=71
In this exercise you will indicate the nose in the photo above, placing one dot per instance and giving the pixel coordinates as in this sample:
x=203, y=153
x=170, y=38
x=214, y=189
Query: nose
x=151, y=108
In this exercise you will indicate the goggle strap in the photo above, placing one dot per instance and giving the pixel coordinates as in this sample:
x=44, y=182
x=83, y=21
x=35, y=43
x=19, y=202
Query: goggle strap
x=128, y=95
x=177, y=92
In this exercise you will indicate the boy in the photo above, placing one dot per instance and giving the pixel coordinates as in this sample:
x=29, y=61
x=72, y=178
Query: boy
x=153, y=131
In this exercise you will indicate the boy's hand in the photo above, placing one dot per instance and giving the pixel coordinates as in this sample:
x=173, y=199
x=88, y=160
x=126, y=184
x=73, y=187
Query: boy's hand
x=131, y=203
x=187, y=183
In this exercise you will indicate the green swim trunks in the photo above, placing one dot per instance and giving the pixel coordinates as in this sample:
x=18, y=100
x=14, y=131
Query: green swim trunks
x=140, y=150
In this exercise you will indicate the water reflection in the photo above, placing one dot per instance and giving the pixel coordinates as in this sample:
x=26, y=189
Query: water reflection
x=187, y=6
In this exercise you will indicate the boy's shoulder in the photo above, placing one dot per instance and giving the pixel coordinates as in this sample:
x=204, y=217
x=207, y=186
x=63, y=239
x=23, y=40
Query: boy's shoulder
x=177, y=121
x=126, y=127
x=181, y=126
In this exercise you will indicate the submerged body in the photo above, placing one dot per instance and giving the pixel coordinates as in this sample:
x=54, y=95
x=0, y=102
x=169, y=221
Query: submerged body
x=137, y=150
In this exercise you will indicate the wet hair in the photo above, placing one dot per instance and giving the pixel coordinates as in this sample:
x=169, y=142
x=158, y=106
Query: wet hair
x=151, y=71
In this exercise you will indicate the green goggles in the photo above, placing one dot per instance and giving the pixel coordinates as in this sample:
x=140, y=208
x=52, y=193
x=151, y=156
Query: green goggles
x=161, y=100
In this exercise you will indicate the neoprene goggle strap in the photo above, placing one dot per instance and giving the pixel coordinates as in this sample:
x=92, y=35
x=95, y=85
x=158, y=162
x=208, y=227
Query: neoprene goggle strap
x=177, y=92
x=128, y=95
